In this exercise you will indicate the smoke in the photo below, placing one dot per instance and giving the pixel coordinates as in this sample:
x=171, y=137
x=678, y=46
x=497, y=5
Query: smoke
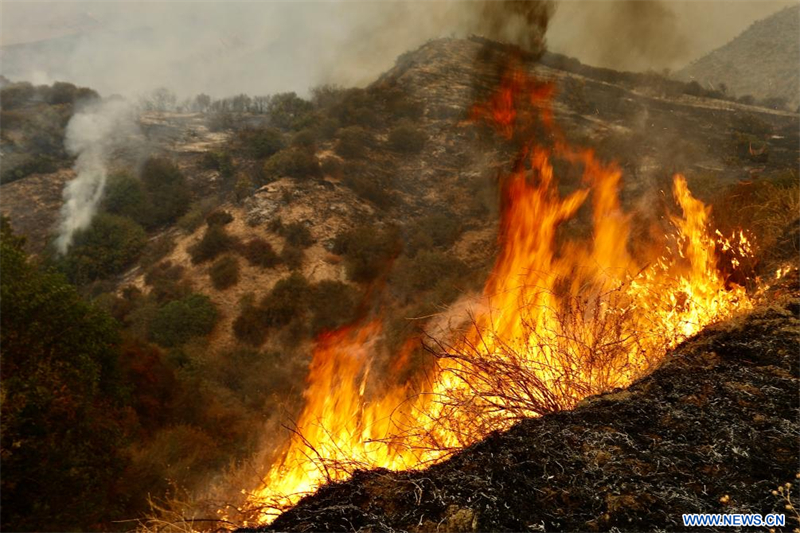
x=639, y=35
x=519, y=22
x=223, y=49
x=93, y=134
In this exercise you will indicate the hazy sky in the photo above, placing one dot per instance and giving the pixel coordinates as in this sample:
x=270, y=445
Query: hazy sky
x=223, y=48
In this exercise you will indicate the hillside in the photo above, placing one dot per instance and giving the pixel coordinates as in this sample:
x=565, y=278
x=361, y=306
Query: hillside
x=236, y=236
x=713, y=430
x=761, y=62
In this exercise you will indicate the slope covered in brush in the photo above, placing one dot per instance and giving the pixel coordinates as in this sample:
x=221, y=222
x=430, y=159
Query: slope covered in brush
x=761, y=62
x=713, y=430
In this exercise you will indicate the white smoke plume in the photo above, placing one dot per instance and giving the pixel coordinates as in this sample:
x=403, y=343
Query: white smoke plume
x=92, y=135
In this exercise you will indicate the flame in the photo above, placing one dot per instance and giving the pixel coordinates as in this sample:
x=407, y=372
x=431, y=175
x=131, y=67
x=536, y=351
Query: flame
x=565, y=318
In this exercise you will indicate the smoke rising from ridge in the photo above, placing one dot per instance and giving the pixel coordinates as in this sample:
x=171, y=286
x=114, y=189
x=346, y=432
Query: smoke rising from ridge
x=224, y=49
x=92, y=135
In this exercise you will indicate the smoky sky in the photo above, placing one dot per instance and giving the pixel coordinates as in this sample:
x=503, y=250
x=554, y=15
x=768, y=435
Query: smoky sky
x=226, y=48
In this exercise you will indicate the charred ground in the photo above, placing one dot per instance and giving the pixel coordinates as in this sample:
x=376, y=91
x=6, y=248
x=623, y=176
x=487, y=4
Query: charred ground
x=713, y=430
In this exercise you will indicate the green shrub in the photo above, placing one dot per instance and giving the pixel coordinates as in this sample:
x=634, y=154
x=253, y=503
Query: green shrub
x=402, y=107
x=439, y=229
x=167, y=189
x=354, y=142
x=357, y=107
x=196, y=214
x=293, y=162
x=18, y=166
x=250, y=327
x=367, y=251
x=107, y=247
x=125, y=196
x=327, y=128
x=259, y=252
x=219, y=161
x=427, y=269
x=156, y=249
x=243, y=187
x=220, y=121
x=166, y=282
x=407, y=138
x=288, y=111
x=333, y=305
x=219, y=218
x=214, y=242
x=297, y=234
x=261, y=143
x=367, y=184
x=306, y=138
x=224, y=272
x=64, y=401
x=331, y=166
x=180, y=320
x=287, y=300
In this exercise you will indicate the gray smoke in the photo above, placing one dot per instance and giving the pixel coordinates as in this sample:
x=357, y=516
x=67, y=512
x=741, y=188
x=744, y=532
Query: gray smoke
x=92, y=135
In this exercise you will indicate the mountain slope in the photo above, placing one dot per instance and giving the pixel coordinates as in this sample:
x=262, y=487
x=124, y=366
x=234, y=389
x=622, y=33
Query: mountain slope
x=762, y=62
x=714, y=430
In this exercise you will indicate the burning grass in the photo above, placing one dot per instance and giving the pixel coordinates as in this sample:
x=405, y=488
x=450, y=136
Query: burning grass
x=713, y=430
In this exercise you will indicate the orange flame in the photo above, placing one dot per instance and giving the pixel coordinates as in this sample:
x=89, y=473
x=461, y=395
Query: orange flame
x=564, y=319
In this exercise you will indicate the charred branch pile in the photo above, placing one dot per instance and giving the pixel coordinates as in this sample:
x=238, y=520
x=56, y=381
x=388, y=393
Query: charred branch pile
x=713, y=430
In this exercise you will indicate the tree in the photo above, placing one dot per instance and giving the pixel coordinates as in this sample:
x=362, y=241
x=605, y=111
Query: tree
x=293, y=162
x=162, y=99
x=286, y=110
x=168, y=191
x=62, y=401
x=108, y=246
x=180, y=320
x=261, y=143
x=201, y=103
x=125, y=196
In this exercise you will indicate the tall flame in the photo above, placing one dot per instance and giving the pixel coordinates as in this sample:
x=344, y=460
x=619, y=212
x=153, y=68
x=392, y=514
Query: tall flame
x=564, y=319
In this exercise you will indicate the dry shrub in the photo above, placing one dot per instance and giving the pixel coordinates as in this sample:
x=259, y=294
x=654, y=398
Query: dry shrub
x=215, y=241
x=224, y=272
x=259, y=252
x=769, y=209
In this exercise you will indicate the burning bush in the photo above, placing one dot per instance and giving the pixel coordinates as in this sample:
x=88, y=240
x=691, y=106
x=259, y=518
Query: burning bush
x=561, y=317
